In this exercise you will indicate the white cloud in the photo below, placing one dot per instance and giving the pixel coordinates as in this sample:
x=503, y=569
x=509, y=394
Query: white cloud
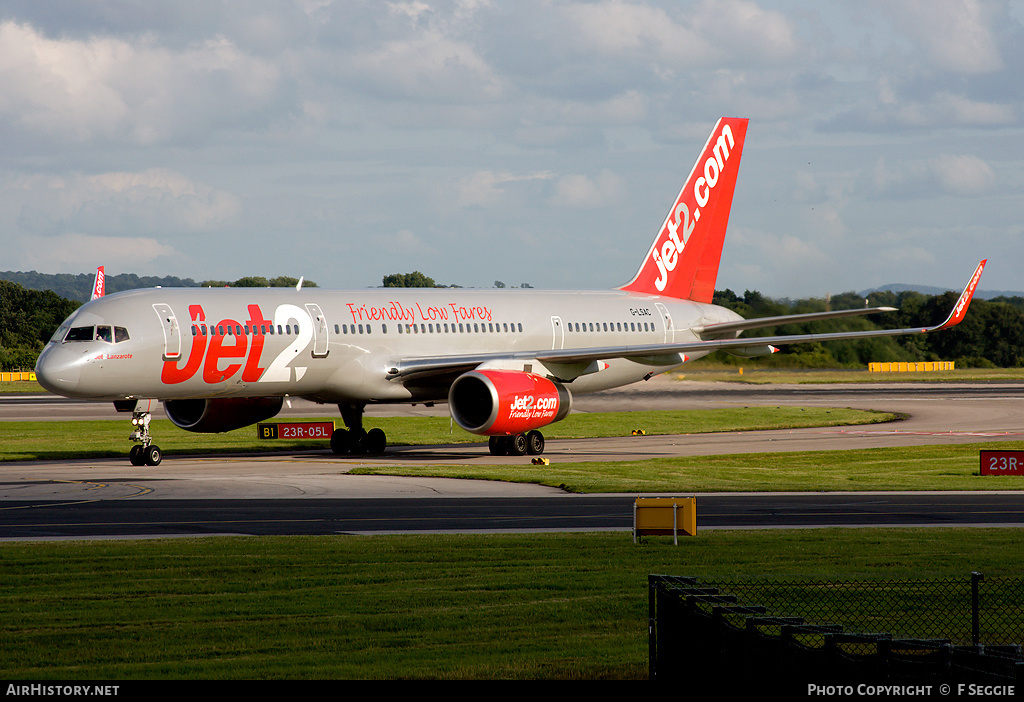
x=763, y=260
x=580, y=191
x=76, y=252
x=112, y=89
x=948, y=108
x=405, y=245
x=485, y=188
x=958, y=175
x=962, y=175
x=745, y=29
x=955, y=35
x=430, y=66
x=895, y=110
x=710, y=31
x=807, y=188
x=439, y=126
x=154, y=200
x=412, y=10
x=617, y=28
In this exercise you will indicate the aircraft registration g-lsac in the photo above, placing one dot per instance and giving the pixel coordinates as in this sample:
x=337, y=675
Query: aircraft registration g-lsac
x=507, y=362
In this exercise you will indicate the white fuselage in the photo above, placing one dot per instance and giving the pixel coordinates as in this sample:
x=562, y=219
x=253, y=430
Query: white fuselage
x=342, y=346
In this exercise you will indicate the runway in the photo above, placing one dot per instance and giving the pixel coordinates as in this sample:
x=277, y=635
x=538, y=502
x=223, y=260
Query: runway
x=104, y=518
x=313, y=493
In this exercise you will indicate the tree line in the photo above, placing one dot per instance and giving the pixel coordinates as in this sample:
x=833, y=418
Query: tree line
x=419, y=280
x=28, y=318
x=79, y=286
x=992, y=334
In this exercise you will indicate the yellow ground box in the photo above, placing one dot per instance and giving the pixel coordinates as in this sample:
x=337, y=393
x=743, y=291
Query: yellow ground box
x=6, y=377
x=665, y=516
x=905, y=367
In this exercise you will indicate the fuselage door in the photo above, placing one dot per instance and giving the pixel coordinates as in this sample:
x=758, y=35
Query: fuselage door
x=172, y=335
x=557, y=333
x=666, y=319
x=321, y=336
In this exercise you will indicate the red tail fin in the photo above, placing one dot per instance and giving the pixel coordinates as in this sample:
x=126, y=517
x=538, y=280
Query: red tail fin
x=99, y=284
x=683, y=261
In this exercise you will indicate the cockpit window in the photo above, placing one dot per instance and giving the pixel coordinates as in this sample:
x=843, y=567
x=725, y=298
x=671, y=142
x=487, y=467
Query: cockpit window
x=104, y=332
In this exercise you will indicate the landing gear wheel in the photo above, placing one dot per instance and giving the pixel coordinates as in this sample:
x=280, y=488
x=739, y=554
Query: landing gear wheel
x=341, y=442
x=136, y=456
x=498, y=445
x=355, y=439
x=534, y=443
x=375, y=441
x=518, y=445
x=153, y=455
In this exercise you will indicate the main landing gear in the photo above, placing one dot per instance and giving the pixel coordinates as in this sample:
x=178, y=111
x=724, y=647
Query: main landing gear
x=532, y=442
x=146, y=453
x=355, y=439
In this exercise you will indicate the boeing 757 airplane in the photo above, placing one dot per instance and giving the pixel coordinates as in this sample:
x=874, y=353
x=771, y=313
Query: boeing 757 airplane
x=507, y=362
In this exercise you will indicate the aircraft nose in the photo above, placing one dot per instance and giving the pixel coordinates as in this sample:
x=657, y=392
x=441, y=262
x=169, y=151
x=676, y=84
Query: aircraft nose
x=57, y=370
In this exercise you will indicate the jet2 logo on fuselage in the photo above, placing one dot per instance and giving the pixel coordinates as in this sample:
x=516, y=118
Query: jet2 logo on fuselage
x=240, y=352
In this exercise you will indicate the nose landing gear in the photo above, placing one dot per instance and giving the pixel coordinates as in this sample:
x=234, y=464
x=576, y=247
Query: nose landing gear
x=146, y=453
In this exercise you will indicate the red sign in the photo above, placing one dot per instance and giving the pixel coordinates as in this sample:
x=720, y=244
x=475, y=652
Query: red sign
x=295, y=430
x=1002, y=462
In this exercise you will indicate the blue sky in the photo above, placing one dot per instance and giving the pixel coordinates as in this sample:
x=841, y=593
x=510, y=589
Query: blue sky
x=527, y=142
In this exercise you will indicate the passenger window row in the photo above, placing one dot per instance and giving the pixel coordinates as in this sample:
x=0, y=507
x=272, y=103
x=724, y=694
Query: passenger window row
x=111, y=334
x=611, y=326
x=462, y=328
x=345, y=329
x=431, y=328
x=244, y=330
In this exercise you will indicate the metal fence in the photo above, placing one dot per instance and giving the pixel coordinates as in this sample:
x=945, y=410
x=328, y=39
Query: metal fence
x=971, y=614
x=972, y=609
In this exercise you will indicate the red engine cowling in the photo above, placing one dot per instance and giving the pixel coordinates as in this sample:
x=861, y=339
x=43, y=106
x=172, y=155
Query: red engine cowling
x=501, y=402
x=212, y=416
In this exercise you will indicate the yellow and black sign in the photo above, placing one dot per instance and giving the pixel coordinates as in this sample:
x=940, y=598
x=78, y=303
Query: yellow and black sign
x=295, y=430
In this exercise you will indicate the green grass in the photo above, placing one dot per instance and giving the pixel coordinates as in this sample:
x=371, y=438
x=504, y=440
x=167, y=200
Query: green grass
x=27, y=441
x=19, y=387
x=609, y=424
x=521, y=606
x=753, y=374
x=465, y=606
x=954, y=467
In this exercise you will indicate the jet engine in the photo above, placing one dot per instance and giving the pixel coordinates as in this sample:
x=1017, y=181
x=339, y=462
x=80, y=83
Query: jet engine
x=212, y=416
x=505, y=402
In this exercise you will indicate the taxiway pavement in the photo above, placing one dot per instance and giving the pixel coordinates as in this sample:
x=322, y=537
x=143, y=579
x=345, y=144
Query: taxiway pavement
x=315, y=493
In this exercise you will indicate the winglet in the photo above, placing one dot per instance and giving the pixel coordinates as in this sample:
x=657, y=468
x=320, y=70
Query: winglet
x=960, y=309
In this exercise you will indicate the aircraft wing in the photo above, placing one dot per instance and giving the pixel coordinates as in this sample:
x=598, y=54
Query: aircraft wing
x=713, y=330
x=671, y=354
